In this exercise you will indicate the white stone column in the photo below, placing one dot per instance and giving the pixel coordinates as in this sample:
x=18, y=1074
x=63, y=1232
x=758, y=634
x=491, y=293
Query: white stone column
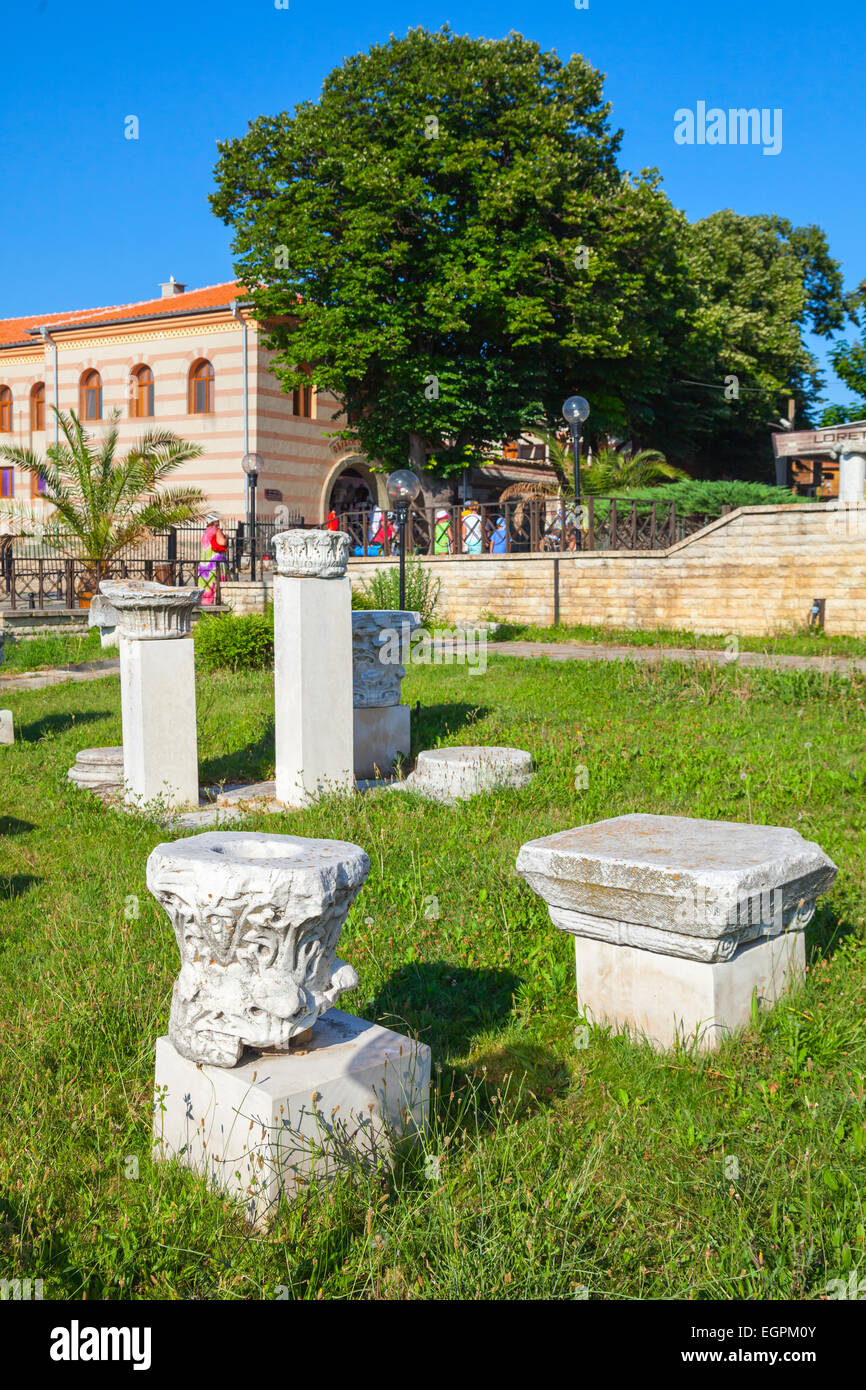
x=157, y=690
x=381, y=641
x=312, y=665
x=852, y=477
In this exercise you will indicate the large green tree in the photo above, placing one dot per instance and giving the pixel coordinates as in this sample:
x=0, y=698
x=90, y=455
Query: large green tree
x=849, y=363
x=760, y=284
x=446, y=237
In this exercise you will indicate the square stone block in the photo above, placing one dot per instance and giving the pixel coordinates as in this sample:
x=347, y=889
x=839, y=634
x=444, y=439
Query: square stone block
x=7, y=726
x=277, y=1121
x=381, y=733
x=676, y=884
x=666, y=998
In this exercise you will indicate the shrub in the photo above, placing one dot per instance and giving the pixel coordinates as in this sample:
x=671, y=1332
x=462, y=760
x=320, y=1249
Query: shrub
x=422, y=589
x=706, y=497
x=223, y=640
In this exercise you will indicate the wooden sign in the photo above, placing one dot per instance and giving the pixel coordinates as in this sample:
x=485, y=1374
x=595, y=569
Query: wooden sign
x=818, y=443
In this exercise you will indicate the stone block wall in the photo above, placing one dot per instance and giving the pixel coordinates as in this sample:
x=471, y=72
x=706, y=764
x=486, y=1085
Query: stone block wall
x=245, y=597
x=754, y=571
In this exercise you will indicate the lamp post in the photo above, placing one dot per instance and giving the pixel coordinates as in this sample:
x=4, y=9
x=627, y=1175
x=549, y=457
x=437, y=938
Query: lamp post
x=252, y=465
x=575, y=411
x=402, y=488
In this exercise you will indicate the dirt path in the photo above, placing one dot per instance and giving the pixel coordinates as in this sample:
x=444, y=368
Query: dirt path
x=55, y=675
x=592, y=651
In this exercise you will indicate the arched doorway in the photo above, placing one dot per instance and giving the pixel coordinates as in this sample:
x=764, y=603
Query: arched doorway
x=350, y=492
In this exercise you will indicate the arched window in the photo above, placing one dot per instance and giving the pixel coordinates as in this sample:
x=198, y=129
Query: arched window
x=201, y=388
x=141, y=392
x=91, y=396
x=37, y=406
x=5, y=410
x=302, y=397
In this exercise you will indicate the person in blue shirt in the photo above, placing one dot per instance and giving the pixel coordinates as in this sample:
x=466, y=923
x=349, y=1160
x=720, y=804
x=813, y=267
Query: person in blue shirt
x=498, y=538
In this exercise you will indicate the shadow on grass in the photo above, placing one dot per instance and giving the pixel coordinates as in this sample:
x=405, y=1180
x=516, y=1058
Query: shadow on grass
x=432, y=722
x=11, y=825
x=446, y=1006
x=16, y=885
x=827, y=930
x=252, y=761
x=52, y=724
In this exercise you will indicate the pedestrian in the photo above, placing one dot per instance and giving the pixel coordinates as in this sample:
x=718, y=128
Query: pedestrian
x=442, y=532
x=333, y=521
x=498, y=538
x=471, y=529
x=214, y=547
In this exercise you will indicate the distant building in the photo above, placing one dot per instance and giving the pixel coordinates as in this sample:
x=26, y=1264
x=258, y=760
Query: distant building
x=178, y=363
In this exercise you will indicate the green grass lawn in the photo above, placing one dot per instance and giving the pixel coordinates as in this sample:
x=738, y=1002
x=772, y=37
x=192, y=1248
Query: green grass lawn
x=52, y=649
x=807, y=642
x=558, y=1170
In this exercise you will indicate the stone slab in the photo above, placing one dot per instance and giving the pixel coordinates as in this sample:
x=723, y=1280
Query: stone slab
x=668, y=999
x=273, y=1123
x=7, y=726
x=102, y=757
x=678, y=876
x=381, y=735
x=453, y=774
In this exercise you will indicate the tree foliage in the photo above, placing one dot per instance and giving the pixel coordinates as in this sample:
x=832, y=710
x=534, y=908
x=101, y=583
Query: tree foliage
x=422, y=232
x=447, y=237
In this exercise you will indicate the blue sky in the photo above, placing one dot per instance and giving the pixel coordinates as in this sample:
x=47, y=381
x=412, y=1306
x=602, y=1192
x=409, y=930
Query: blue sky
x=92, y=218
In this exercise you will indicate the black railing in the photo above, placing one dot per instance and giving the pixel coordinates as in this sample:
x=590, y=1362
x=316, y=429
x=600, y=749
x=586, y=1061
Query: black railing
x=46, y=582
x=541, y=525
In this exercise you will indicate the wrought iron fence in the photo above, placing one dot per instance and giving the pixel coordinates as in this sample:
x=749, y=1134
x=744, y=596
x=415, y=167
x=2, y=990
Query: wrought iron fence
x=33, y=575
x=514, y=527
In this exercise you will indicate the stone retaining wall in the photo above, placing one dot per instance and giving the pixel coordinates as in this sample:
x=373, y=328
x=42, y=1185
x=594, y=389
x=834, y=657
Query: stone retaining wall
x=754, y=571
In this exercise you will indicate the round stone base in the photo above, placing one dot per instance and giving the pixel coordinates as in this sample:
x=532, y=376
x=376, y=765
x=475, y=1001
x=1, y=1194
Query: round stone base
x=453, y=774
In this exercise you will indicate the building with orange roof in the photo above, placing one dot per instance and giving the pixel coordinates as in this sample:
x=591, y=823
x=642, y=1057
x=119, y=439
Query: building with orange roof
x=191, y=361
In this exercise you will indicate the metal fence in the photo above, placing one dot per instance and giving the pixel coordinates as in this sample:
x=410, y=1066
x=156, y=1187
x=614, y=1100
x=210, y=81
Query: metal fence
x=541, y=525
x=33, y=575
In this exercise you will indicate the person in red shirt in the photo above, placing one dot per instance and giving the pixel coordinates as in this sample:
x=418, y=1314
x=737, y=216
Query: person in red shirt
x=333, y=521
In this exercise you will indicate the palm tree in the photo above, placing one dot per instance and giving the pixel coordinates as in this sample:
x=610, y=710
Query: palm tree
x=610, y=471
x=102, y=504
x=613, y=472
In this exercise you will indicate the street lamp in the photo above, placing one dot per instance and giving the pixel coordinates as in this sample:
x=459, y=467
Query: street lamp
x=575, y=411
x=252, y=464
x=402, y=488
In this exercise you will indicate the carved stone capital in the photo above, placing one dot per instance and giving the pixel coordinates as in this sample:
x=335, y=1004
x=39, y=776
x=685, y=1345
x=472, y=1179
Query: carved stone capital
x=257, y=920
x=380, y=644
x=146, y=611
x=675, y=886
x=311, y=554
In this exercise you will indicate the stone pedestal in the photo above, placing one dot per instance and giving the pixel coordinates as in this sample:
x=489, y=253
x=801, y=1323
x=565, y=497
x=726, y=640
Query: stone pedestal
x=312, y=665
x=454, y=774
x=157, y=690
x=666, y=999
x=7, y=726
x=382, y=734
x=382, y=727
x=852, y=477
x=274, y=1122
x=102, y=615
x=678, y=923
